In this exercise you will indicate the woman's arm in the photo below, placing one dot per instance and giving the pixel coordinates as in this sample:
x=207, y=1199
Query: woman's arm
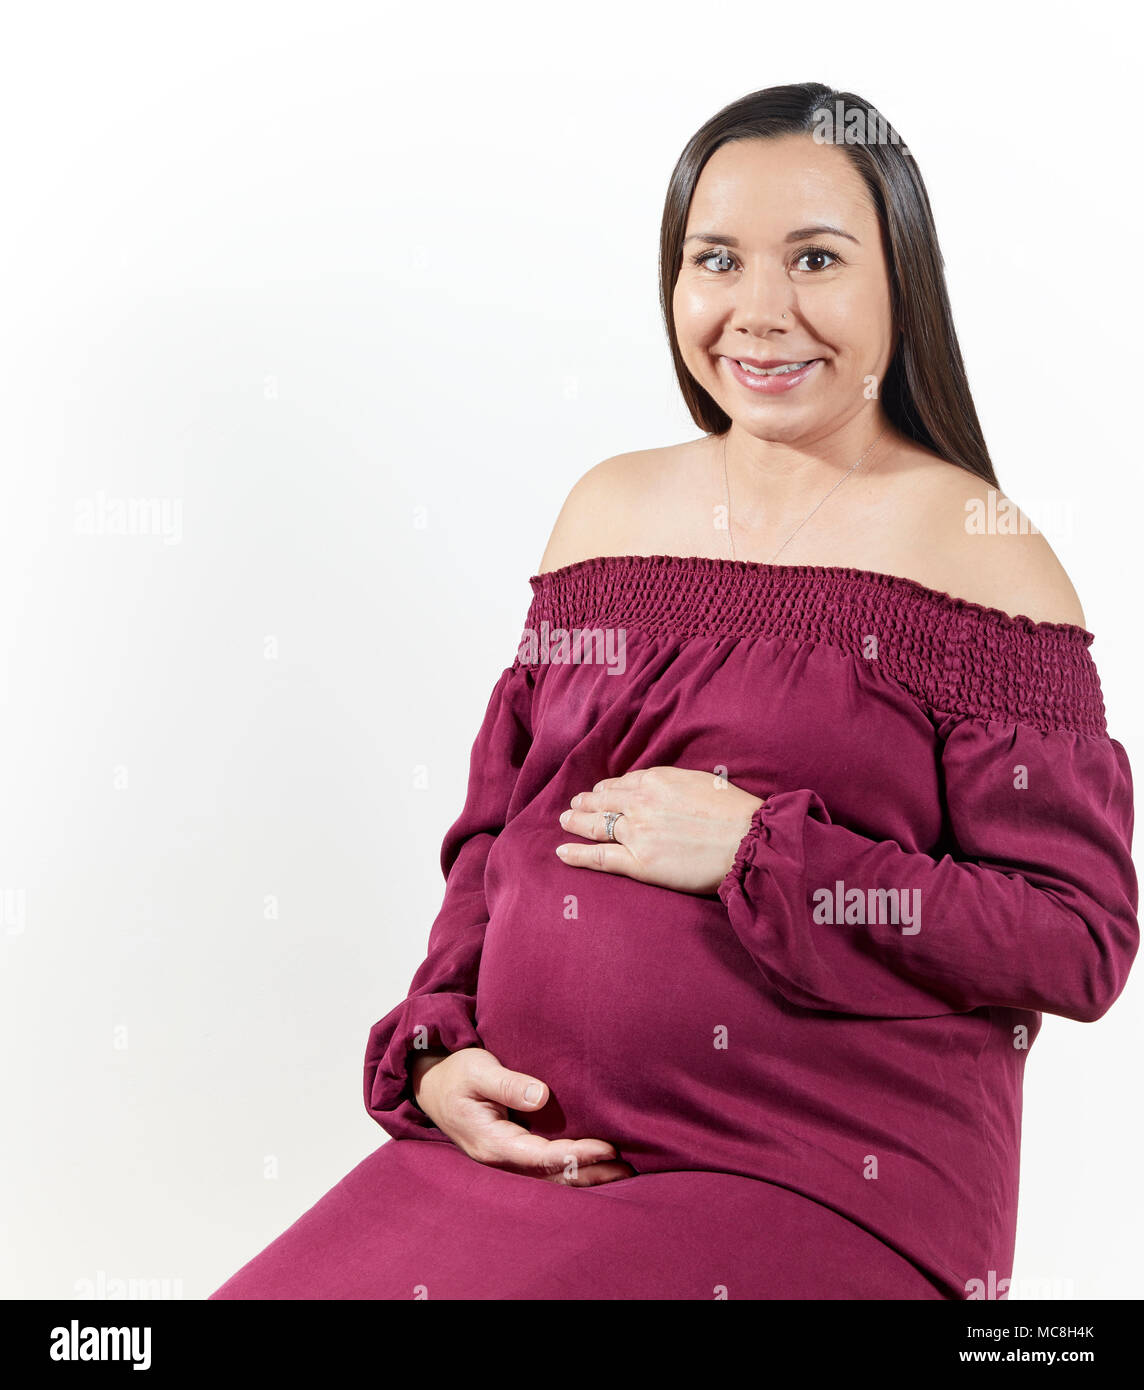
x=1035, y=905
x=427, y=1074
x=440, y=1009
x=1036, y=911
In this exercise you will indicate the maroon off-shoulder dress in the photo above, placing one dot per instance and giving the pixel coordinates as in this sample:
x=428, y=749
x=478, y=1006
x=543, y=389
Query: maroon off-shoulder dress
x=816, y=1073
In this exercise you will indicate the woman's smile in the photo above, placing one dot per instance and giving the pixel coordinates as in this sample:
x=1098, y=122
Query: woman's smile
x=773, y=378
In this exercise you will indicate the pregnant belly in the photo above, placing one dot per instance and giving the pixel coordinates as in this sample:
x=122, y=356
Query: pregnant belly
x=637, y=1005
x=658, y=1032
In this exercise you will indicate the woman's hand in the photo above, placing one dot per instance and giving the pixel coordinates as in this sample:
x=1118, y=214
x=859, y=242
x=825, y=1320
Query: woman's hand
x=679, y=829
x=468, y=1094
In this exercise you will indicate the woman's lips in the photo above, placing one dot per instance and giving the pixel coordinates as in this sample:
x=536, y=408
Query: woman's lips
x=771, y=385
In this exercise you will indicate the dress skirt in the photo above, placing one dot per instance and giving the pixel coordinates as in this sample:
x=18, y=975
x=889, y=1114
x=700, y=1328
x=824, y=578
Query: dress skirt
x=417, y=1220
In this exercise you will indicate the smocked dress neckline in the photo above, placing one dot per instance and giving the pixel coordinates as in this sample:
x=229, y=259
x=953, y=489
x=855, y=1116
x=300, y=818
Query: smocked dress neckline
x=953, y=655
x=712, y=568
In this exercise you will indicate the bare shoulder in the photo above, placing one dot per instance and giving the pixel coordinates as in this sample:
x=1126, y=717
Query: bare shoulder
x=601, y=514
x=989, y=551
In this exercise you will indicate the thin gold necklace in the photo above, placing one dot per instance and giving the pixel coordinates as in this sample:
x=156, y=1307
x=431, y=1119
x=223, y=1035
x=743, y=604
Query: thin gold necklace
x=806, y=518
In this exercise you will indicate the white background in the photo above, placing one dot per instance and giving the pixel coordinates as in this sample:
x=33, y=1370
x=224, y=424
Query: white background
x=318, y=273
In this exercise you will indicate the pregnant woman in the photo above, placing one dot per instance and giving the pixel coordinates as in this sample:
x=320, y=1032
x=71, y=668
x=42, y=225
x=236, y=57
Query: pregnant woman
x=794, y=812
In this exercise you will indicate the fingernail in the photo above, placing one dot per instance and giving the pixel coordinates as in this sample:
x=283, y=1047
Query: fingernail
x=576, y=799
x=564, y=816
x=562, y=851
x=533, y=1093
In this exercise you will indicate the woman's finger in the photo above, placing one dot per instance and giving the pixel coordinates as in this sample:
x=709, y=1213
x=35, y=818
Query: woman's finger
x=515, y=1090
x=610, y=799
x=504, y=1144
x=591, y=824
x=609, y=783
x=611, y=858
x=593, y=1174
x=628, y=782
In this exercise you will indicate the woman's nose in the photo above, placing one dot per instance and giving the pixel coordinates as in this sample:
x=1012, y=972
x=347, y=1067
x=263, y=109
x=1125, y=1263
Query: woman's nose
x=763, y=300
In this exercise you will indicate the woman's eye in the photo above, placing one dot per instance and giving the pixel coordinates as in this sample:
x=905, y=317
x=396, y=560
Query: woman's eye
x=721, y=259
x=817, y=254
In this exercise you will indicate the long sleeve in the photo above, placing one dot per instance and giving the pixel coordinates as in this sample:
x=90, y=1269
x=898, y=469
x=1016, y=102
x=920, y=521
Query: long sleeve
x=440, y=1008
x=1035, y=908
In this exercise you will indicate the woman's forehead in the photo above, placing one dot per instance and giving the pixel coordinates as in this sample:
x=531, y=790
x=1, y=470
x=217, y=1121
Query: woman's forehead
x=776, y=185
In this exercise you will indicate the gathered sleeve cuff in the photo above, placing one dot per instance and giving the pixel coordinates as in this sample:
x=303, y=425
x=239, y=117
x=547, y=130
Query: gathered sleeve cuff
x=420, y=1023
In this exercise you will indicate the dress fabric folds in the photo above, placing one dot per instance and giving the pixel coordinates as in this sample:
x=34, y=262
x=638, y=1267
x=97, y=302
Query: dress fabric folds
x=816, y=1072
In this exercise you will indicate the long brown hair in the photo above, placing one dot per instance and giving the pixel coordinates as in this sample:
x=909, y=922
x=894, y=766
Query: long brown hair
x=925, y=393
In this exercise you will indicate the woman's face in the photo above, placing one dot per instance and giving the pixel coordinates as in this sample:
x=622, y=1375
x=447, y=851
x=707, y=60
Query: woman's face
x=758, y=224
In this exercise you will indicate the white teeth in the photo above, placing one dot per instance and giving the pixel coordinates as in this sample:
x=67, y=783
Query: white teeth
x=775, y=371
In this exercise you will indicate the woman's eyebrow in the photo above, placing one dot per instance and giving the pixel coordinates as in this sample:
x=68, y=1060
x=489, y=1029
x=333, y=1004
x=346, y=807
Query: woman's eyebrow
x=799, y=234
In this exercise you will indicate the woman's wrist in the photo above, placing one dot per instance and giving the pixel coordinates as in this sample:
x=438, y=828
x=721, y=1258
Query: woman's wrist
x=424, y=1061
